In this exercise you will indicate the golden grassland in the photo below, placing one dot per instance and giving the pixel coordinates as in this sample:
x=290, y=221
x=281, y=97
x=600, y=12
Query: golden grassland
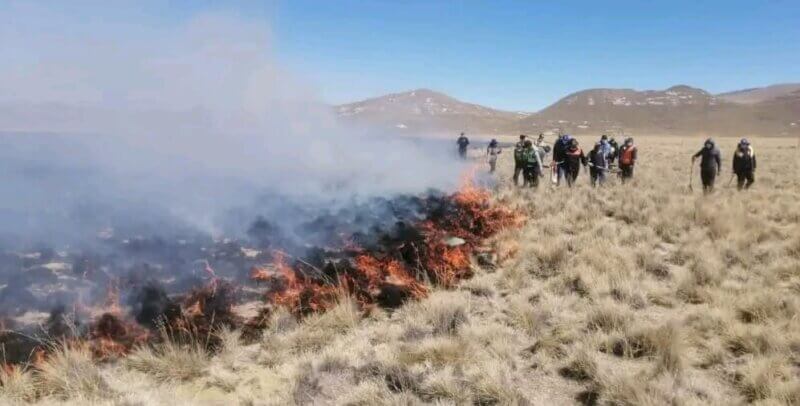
x=636, y=294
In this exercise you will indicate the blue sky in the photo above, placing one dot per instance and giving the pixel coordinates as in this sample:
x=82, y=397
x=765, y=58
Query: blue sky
x=516, y=55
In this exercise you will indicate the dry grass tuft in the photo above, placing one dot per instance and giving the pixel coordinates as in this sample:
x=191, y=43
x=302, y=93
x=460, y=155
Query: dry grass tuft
x=17, y=385
x=70, y=372
x=170, y=361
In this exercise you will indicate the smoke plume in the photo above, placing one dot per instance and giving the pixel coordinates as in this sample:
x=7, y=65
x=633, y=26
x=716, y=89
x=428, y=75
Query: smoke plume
x=195, y=126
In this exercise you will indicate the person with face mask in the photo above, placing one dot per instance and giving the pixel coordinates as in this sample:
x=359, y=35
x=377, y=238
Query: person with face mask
x=573, y=159
x=744, y=164
x=710, y=164
x=627, y=159
x=598, y=165
x=559, y=165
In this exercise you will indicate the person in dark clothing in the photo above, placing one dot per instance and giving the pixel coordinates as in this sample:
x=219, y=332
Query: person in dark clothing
x=627, y=159
x=614, y=151
x=559, y=157
x=493, y=150
x=710, y=164
x=598, y=165
x=744, y=165
x=519, y=163
x=573, y=159
x=463, y=143
x=533, y=164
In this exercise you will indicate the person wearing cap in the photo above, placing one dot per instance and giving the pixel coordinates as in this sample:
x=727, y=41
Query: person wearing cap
x=744, y=164
x=519, y=161
x=492, y=151
x=710, y=164
x=559, y=165
x=533, y=165
x=598, y=165
x=627, y=159
x=573, y=159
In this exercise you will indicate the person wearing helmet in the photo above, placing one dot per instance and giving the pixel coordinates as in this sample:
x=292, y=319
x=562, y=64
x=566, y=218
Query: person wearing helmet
x=573, y=159
x=598, y=165
x=744, y=164
x=710, y=164
x=533, y=164
x=519, y=162
x=492, y=151
x=627, y=159
x=463, y=143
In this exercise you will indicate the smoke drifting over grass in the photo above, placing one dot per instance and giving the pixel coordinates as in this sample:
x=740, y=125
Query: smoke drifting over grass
x=181, y=127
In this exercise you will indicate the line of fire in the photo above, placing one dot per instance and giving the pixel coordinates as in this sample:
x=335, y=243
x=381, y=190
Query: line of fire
x=148, y=289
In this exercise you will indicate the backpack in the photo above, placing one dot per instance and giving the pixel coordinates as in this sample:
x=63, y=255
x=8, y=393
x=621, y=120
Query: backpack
x=519, y=154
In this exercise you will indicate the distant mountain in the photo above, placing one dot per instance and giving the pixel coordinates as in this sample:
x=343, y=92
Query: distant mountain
x=773, y=110
x=760, y=94
x=597, y=110
x=427, y=110
x=680, y=109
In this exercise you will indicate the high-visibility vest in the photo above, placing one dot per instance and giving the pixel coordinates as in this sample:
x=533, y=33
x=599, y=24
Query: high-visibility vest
x=626, y=158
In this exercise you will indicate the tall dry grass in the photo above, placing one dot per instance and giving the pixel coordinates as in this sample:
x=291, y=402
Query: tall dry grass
x=636, y=294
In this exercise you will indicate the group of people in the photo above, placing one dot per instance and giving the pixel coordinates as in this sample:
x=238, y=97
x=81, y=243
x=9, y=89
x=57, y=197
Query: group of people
x=744, y=164
x=568, y=157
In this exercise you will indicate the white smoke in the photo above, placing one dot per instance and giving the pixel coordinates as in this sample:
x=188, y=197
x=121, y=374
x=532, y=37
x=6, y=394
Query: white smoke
x=180, y=124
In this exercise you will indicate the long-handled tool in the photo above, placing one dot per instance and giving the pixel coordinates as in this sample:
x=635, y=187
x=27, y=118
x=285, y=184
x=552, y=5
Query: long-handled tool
x=691, y=172
x=731, y=180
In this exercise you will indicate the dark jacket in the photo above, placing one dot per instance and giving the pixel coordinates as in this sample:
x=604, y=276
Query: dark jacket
x=710, y=158
x=574, y=158
x=560, y=149
x=597, y=159
x=744, y=161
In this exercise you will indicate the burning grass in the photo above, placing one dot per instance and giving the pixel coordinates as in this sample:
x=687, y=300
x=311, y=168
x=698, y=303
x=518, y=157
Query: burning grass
x=630, y=294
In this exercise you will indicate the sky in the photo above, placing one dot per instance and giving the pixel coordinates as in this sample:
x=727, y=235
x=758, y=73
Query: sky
x=512, y=55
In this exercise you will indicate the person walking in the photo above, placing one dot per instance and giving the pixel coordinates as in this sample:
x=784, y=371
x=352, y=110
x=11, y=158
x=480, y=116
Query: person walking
x=744, y=165
x=573, y=159
x=533, y=165
x=559, y=165
x=492, y=151
x=627, y=159
x=463, y=143
x=614, y=150
x=710, y=164
x=598, y=165
x=519, y=162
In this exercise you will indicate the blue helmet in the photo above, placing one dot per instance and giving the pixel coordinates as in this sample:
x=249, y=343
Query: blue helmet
x=744, y=142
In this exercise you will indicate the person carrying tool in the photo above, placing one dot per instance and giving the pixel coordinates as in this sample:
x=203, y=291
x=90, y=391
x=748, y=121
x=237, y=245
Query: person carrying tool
x=544, y=149
x=519, y=162
x=573, y=159
x=606, y=146
x=463, y=143
x=710, y=164
x=492, y=151
x=559, y=165
x=627, y=159
x=744, y=164
x=614, y=150
x=598, y=165
x=532, y=159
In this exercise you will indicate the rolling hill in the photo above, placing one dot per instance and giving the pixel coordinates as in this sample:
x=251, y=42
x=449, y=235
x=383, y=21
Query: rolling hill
x=772, y=110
